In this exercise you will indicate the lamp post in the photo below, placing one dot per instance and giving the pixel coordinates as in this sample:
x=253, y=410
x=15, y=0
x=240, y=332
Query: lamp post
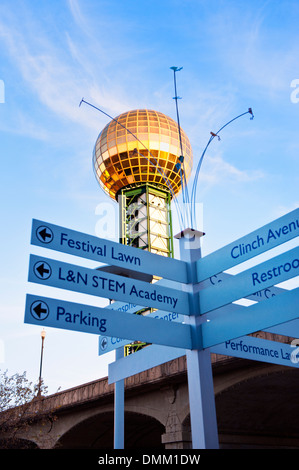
x=43, y=335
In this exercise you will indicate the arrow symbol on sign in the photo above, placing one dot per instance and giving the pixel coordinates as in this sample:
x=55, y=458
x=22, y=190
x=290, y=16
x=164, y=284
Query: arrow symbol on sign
x=104, y=343
x=44, y=234
x=39, y=310
x=42, y=270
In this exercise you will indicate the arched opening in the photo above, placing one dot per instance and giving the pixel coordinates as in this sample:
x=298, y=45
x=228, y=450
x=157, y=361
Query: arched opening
x=97, y=432
x=260, y=412
x=142, y=432
x=14, y=443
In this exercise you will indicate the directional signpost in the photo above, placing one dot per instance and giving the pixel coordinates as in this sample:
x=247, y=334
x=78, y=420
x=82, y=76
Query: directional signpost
x=209, y=299
x=195, y=295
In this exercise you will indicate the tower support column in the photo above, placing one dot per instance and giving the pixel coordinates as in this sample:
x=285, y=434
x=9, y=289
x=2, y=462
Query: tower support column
x=199, y=368
x=145, y=219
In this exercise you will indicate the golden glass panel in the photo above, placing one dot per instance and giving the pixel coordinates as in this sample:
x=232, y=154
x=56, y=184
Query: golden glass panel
x=149, y=155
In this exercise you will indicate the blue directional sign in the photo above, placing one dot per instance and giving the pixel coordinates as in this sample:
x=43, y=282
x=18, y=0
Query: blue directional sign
x=98, y=249
x=222, y=328
x=88, y=319
x=107, y=344
x=290, y=328
x=265, y=238
x=257, y=296
x=146, y=358
x=90, y=281
x=243, y=321
x=273, y=271
x=258, y=349
x=246, y=347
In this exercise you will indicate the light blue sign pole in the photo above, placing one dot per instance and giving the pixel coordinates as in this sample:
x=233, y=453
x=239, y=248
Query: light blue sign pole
x=199, y=367
x=205, y=437
x=119, y=407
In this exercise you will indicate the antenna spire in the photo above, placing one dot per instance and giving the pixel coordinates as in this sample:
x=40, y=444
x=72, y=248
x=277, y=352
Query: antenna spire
x=180, y=166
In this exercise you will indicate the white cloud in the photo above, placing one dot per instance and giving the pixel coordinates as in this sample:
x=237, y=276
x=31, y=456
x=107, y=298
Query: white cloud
x=60, y=76
x=216, y=169
x=281, y=210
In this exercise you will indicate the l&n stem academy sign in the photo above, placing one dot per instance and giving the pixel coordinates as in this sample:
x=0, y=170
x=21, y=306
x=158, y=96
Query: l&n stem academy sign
x=90, y=281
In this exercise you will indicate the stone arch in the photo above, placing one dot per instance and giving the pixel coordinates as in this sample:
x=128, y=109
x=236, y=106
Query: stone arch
x=96, y=432
x=260, y=411
x=143, y=432
x=247, y=370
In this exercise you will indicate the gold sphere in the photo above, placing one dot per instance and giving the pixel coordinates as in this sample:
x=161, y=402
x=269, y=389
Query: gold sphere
x=141, y=146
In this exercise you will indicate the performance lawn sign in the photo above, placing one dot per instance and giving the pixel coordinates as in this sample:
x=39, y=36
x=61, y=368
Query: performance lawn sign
x=246, y=347
x=258, y=349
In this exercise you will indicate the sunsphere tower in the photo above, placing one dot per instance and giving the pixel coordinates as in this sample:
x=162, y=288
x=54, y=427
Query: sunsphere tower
x=141, y=158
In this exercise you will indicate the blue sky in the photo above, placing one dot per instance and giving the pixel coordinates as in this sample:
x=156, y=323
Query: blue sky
x=117, y=55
